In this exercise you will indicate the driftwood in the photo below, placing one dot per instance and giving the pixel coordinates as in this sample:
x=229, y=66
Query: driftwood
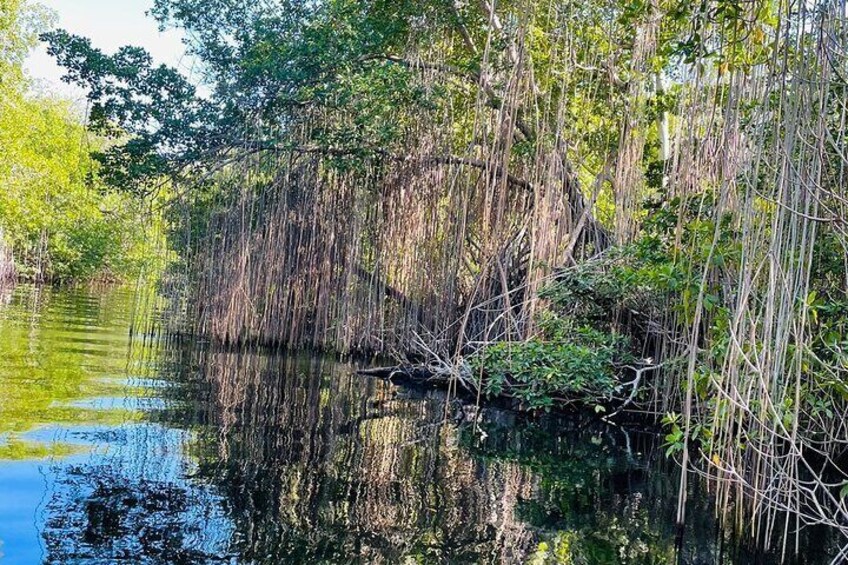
x=413, y=372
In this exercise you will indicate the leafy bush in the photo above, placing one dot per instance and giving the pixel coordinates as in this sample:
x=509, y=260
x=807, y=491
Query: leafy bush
x=600, y=313
x=571, y=359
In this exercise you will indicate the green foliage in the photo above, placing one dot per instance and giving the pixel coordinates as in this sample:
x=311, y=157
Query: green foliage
x=153, y=110
x=19, y=22
x=679, y=247
x=675, y=438
x=273, y=68
x=56, y=219
x=332, y=77
x=538, y=372
x=592, y=292
x=827, y=306
x=578, y=352
x=59, y=221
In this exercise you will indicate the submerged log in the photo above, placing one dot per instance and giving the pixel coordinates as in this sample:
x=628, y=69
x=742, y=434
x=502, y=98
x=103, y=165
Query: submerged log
x=418, y=373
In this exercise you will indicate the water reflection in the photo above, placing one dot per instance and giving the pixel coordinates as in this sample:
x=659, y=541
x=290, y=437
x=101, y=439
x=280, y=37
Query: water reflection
x=58, y=349
x=321, y=465
x=115, y=448
x=87, y=475
x=135, y=505
x=324, y=465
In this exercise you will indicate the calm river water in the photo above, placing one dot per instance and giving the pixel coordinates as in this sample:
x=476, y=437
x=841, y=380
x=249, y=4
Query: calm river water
x=115, y=447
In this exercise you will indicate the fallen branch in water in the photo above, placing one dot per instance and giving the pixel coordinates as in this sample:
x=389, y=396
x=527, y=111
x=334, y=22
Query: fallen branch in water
x=634, y=384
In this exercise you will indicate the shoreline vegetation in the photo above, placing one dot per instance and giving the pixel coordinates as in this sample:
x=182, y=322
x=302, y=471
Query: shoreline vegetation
x=59, y=222
x=635, y=205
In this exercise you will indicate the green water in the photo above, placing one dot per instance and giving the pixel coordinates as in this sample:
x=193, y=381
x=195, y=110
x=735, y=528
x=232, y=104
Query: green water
x=116, y=446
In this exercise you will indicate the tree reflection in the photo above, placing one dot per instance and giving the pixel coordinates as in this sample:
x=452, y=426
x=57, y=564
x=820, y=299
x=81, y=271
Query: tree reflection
x=100, y=514
x=321, y=464
x=265, y=458
x=59, y=350
x=318, y=464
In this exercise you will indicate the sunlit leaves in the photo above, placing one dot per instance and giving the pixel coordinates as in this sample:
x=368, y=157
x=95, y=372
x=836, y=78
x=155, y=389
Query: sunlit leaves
x=57, y=219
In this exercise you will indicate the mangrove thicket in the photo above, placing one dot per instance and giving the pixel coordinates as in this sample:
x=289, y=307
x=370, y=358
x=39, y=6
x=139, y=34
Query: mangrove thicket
x=629, y=205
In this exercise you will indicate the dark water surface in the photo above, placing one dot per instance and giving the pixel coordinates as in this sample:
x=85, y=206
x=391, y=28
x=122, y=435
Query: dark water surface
x=120, y=449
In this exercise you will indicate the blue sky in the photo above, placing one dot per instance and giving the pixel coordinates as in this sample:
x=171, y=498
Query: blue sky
x=109, y=24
